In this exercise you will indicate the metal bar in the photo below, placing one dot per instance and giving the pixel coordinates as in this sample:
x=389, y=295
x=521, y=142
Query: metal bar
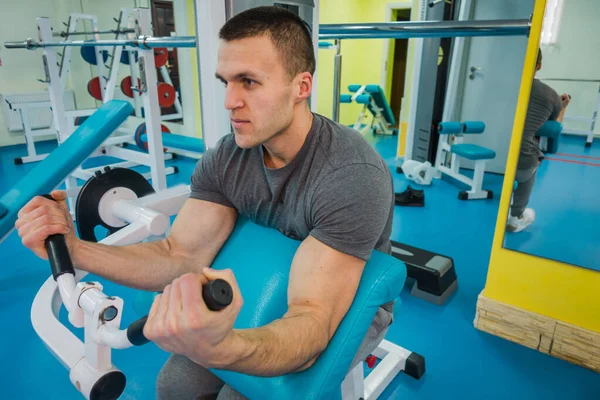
x=570, y=80
x=111, y=31
x=384, y=30
x=145, y=42
x=424, y=29
x=337, y=81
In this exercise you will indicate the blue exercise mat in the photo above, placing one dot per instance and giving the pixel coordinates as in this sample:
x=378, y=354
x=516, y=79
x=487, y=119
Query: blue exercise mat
x=51, y=171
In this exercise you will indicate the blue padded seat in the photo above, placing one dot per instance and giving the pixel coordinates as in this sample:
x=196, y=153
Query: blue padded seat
x=260, y=258
x=53, y=169
x=472, y=151
x=380, y=100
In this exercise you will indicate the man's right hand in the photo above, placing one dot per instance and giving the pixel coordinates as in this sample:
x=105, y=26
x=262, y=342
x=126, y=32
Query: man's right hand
x=565, y=100
x=42, y=217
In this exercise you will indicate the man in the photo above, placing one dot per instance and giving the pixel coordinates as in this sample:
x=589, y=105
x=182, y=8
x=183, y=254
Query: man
x=544, y=104
x=284, y=167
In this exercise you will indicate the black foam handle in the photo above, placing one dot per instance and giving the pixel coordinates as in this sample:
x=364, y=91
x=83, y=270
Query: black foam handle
x=217, y=295
x=58, y=253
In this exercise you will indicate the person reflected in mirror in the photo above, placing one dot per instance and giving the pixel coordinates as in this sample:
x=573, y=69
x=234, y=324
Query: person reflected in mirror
x=544, y=105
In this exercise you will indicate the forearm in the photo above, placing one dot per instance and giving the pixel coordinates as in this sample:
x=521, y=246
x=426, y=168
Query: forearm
x=561, y=115
x=287, y=345
x=147, y=266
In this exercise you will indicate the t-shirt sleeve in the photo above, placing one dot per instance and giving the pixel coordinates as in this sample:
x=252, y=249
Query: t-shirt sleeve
x=206, y=182
x=350, y=209
x=556, y=104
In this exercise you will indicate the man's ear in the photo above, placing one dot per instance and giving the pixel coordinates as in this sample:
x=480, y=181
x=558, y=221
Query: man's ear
x=305, y=81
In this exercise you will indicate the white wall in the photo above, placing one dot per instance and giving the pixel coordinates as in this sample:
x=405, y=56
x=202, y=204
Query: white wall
x=21, y=68
x=576, y=55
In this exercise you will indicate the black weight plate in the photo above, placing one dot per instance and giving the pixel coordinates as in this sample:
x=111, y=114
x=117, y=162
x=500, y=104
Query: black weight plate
x=88, y=201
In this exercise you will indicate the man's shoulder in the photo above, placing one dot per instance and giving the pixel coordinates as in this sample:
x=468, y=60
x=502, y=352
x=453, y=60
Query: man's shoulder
x=344, y=146
x=539, y=87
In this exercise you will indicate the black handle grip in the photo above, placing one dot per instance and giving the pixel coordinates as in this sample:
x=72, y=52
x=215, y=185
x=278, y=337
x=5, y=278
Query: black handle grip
x=217, y=295
x=58, y=253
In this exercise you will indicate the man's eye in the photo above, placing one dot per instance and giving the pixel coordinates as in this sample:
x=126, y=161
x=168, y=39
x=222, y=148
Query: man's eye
x=249, y=82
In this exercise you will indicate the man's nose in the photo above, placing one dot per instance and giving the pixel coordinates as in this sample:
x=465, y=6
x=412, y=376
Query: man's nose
x=233, y=97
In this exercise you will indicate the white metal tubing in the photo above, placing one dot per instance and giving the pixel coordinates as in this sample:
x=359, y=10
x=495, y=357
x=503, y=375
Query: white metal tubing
x=151, y=107
x=66, y=286
x=65, y=346
x=143, y=42
x=384, y=373
x=478, y=176
x=167, y=79
x=129, y=211
x=114, y=338
x=353, y=385
x=337, y=80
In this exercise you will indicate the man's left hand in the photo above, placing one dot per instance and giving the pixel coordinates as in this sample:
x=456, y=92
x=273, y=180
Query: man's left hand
x=180, y=322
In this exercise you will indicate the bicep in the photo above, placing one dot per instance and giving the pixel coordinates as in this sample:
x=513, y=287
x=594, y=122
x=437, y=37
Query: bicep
x=200, y=230
x=323, y=282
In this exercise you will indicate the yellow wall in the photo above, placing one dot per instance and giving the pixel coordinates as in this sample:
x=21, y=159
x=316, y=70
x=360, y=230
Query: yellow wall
x=361, y=59
x=556, y=290
x=194, y=60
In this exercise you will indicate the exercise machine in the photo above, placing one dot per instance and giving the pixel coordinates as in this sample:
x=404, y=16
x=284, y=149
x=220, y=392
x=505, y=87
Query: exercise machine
x=549, y=136
x=451, y=150
x=373, y=100
x=134, y=219
x=588, y=133
x=50, y=172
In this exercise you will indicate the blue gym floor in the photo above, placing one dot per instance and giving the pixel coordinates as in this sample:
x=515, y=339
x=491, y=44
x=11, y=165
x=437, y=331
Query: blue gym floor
x=565, y=199
x=462, y=362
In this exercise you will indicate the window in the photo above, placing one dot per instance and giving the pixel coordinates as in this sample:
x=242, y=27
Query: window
x=551, y=27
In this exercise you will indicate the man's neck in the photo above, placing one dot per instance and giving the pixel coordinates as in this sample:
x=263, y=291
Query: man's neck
x=281, y=150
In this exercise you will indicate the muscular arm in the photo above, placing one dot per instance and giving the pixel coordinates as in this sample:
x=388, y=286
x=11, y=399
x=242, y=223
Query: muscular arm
x=322, y=286
x=197, y=235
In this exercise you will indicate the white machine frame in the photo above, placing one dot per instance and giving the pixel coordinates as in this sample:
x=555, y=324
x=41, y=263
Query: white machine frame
x=64, y=120
x=475, y=183
x=379, y=125
x=87, y=305
x=24, y=109
x=589, y=134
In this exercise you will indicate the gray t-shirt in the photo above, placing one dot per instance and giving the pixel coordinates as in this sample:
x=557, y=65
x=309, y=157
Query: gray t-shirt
x=544, y=105
x=337, y=189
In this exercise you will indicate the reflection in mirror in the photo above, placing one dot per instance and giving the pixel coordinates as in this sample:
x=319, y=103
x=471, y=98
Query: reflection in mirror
x=554, y=209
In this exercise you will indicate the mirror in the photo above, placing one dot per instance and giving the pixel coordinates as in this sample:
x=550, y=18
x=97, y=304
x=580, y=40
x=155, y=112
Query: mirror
x=555, y=207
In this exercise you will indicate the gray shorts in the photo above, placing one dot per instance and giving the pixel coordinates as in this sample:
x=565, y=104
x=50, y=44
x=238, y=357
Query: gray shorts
x=183, y=379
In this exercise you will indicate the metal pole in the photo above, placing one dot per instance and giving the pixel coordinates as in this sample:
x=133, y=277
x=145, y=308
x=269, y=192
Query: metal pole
x=384, y=30
x=145, y=42
x=337, y=80
x=424, y=29
x=569, y=80
x=112, y=31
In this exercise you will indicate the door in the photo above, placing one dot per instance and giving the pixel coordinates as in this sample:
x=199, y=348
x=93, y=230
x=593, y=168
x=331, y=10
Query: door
x=399, y=69
x=490, y=92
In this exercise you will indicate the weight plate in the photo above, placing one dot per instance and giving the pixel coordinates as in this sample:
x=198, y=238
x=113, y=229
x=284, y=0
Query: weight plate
x=87, y=206
x=166, y=95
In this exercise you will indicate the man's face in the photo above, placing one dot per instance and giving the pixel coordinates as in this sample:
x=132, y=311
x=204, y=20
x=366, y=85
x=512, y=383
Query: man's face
x=260, y=95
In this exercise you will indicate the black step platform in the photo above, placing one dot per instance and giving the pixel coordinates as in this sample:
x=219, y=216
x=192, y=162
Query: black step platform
x=431, y=275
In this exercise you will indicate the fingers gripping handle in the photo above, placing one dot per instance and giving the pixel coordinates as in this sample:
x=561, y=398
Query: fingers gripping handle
x=58, y=253
x=217, y=295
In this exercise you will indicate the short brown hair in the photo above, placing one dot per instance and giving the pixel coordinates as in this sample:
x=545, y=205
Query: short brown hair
x=289, y=33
